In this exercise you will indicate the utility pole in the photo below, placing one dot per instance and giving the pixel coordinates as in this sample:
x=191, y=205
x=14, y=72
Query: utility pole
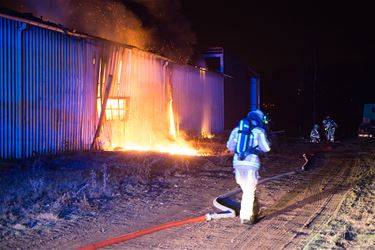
x=254, y=90
x=314, y=85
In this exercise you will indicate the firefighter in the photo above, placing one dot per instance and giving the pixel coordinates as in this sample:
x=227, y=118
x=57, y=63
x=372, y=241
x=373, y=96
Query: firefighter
x=329, y=126
x=246, y=166
x=314, y=134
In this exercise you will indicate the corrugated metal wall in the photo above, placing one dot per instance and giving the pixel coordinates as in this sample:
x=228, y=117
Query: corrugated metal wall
x=49, y=83
x=198, y=97
x=138, y=76
x=47, y=90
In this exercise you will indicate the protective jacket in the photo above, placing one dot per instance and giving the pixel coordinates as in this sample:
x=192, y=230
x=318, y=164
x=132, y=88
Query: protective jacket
x=252, y=160
x=329, y=124
x=314, y=135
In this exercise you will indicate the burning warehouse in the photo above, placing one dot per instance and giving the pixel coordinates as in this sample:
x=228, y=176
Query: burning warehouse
x=80, y=108
x=61, y=90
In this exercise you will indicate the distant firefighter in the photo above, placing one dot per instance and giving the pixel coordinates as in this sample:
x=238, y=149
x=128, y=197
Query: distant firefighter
x=314, y=134
x=329, y=126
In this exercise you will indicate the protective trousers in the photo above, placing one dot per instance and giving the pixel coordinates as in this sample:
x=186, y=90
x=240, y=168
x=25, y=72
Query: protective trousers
x=331, y=134
x=248, y=179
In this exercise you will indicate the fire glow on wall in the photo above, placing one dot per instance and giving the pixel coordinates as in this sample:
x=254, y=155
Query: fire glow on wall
x=54, y=86
x=143, y=97
x=139, y=111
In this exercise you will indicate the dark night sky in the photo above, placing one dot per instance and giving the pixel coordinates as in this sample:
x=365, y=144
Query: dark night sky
x=283, y=41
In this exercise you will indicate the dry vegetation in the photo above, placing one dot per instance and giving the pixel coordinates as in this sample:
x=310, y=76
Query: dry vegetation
x=39, y=195
x=36, y=193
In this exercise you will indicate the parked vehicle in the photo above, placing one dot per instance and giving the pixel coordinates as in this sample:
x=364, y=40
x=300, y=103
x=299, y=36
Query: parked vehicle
x=367, y=130
x=367, y=127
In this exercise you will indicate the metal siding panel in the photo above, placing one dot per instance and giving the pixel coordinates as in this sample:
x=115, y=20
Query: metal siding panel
x=73, y=101
x=198, y=99
x=33, y=92
x=52, y=92
x=42, y=89
x=6, y=96
x=2, y=45
x=37, y=93
x=13, y=94
x=8, y=80
x=48, y=91
x=66, y=96
x=70, y=98
x=187, y=95
x=26, y=95
x=59, y=93
x=64, y=84
x=77, y=84
x=61, y=85
x=63, y=104
x=7, y=91
x=49, y=83
x=84, y=59
x=29, y=125
x=11, y=85
x=2, y=88
x=54, y=52
x=48, y=101
x=143, y=83
x=75, y=89
x=79, y=97
x=18, y=93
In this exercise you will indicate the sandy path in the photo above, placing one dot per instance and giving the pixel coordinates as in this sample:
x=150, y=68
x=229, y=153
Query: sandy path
x=298, y=212
x=297, y=208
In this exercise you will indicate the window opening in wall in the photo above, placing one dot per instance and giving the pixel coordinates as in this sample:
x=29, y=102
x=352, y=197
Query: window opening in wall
x=117, y=108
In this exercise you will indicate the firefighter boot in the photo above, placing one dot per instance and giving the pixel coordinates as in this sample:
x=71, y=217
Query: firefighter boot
x=256, y=207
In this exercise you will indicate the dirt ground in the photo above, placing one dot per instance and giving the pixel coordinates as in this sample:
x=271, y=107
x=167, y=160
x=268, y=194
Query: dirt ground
x=71, y=200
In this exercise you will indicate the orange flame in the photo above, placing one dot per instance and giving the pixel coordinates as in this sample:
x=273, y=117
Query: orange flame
x=172, y=127
x=139, y=111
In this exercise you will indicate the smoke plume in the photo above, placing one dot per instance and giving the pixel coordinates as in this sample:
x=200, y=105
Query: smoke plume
x=153, y=25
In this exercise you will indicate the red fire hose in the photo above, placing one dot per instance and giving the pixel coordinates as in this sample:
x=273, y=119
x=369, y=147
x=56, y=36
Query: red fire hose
x=230, y=213
x=139, y=233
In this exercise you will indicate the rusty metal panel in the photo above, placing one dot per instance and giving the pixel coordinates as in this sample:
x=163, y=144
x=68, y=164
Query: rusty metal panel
x=47, y=89
x=198, y=99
